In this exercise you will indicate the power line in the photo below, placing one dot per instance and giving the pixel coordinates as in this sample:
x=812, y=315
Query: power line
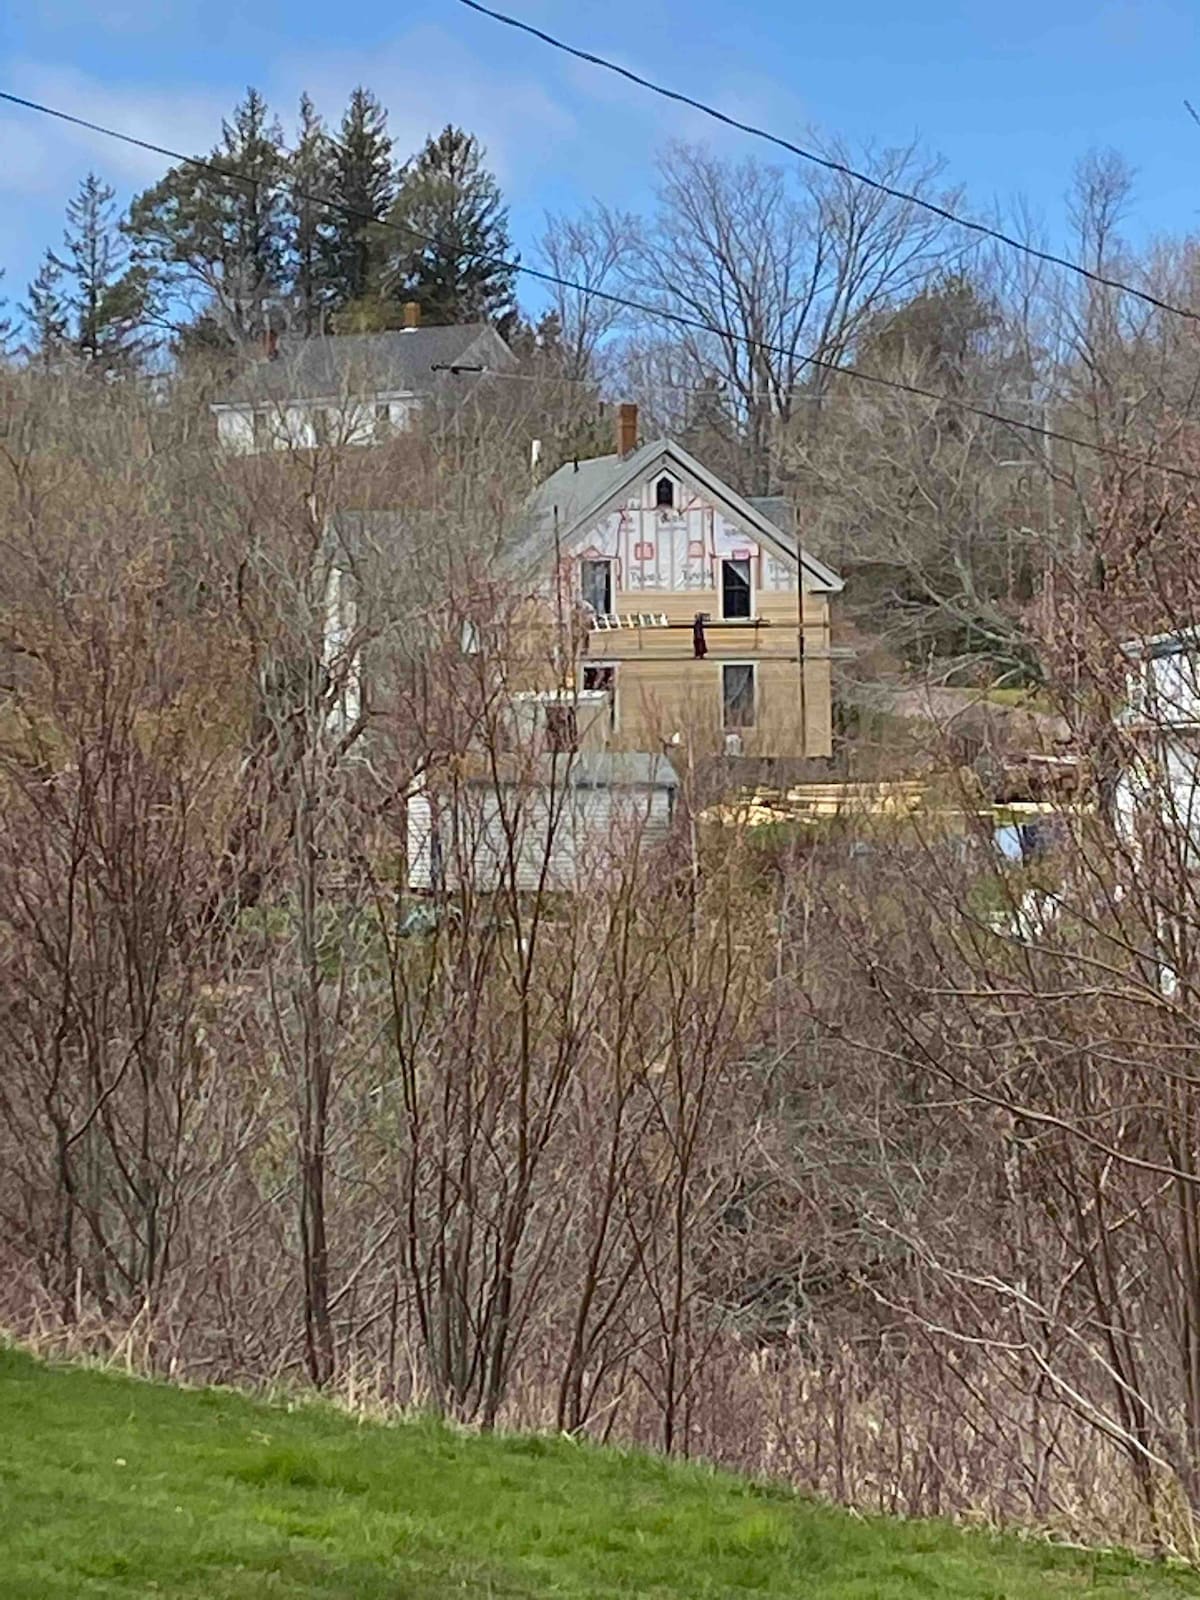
x=830, y=164
x=661, y=313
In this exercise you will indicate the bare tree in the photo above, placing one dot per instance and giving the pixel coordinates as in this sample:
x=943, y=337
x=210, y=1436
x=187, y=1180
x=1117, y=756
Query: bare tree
x=589, y=250
x=776, y=269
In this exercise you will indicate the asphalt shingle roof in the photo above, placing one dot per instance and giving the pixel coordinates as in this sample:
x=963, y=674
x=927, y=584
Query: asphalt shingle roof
x=398, y=361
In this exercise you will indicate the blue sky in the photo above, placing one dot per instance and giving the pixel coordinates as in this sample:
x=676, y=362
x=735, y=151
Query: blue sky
x=1009, y=94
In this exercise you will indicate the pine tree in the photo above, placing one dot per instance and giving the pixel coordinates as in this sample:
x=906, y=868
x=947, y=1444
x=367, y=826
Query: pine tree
x=105, y=296
x=48, y=315
x=310, y=172
x=222, y=239
x=453, y=264
x=6, y=327
x=364, y=183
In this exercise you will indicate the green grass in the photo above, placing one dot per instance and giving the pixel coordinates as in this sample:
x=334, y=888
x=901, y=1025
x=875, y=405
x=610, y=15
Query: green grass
x=111, y=1486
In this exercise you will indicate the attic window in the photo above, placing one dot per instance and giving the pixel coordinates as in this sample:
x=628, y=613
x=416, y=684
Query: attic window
x=664, y=493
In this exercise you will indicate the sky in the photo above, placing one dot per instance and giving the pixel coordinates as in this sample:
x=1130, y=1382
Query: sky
x=1010, y=95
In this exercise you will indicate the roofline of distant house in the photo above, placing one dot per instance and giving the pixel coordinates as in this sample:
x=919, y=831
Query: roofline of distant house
x=254, y=402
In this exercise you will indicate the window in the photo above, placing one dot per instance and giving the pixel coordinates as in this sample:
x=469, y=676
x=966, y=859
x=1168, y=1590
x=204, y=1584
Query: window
x=562, y=734
x=383, y=420
x=262, y=431
x=664, y=493
x=735, y=589
x=603, y=676
x=322, y=425
x=596, y=585
x=469, y=640
x=737, y=695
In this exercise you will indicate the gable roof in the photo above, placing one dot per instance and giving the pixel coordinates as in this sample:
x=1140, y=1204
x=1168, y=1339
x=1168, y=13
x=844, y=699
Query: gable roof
x=336, y=365
x=586, y=769
x=579, y=494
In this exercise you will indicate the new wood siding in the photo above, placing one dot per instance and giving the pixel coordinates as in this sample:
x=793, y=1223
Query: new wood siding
x=662, y=689
x=668, y=561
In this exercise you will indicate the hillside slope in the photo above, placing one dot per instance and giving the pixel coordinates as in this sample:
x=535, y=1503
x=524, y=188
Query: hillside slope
x=110, y=1486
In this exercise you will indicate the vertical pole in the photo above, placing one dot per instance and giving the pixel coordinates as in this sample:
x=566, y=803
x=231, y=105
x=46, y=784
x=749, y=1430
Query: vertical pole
x=800, y=652
x=560, y=646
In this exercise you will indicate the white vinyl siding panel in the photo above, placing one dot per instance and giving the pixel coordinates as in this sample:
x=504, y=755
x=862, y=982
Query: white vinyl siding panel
x=564, y=839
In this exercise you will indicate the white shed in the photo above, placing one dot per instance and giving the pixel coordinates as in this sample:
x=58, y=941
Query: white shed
x=560, y=822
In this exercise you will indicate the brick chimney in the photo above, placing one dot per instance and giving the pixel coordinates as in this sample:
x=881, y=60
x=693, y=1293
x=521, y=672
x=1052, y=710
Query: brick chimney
x=412, y=314
x=627, y=429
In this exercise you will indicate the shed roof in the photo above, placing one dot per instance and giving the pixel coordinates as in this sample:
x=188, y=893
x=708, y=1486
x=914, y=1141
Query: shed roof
x=589, y=769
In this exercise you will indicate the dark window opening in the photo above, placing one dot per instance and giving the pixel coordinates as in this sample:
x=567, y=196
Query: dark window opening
x=562, y=733
x=603, y=678
x=737, y=696
x=383, y=420
x=664, y=492
x=735, y=589
x=262, y=431
x=597, y=586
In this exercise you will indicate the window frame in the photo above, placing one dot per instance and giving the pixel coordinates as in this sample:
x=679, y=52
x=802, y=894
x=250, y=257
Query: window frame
x=562, y=727
x=748, y=562
x=611, y=668
x=739, y=727
x=609, y=562
x=323, y=422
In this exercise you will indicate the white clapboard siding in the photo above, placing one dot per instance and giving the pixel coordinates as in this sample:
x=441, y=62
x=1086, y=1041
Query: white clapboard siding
x=568, y=834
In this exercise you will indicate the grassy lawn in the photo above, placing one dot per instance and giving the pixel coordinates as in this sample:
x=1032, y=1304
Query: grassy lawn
x=109, y=1486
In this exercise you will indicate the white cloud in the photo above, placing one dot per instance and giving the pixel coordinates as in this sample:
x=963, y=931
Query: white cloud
x=426, y=78
x=45, y=158
x=557, y=132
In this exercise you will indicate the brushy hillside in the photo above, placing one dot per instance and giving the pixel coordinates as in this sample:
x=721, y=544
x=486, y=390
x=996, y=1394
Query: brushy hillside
x=113, y=1486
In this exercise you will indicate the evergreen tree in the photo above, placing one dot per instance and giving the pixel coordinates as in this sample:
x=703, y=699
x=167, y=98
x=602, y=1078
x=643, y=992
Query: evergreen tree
x=219, y=242
x=453, y=262
x=105, y=296
x=363, y=182
x=943, y=329
x=711, y=431
x=48, y=315
x=312, y=227
x=6, y=327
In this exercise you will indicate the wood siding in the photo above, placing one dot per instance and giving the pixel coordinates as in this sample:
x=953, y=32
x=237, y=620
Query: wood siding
x=662, y=689
x=667, y=562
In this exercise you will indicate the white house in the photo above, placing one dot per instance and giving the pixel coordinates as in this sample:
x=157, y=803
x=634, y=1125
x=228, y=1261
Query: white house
x=350, y=388
x=1161, y=720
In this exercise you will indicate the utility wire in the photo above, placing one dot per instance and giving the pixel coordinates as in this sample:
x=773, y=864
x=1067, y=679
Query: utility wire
x=830, y=164
x=661, y=313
